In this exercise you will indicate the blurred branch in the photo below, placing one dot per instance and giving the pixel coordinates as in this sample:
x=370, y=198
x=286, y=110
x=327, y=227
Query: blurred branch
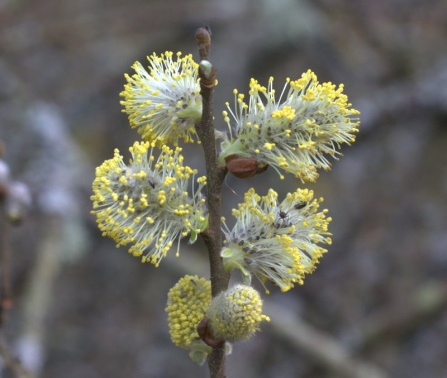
x=12, y=363
x=318, y=345
x=38, y=297
x=6, y=291
x=40, y=289
x=405, y=315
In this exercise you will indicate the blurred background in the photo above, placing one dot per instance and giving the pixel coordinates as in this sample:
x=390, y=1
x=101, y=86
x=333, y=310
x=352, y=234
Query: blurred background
x=376, y=305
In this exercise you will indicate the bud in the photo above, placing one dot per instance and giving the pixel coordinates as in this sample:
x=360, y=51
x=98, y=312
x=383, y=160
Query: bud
x=17, y=202
x=207, y=73
x=243, y=167
x=203, y=35
x=203, y=38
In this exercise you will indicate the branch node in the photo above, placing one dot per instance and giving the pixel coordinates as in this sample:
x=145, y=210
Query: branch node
x=207, y=74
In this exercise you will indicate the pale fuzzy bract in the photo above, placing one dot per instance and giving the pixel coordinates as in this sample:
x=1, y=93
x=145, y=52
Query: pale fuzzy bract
x=146, y=202
x=236, y=313
x=295, y=132
x=164, y=103
x=274, y=241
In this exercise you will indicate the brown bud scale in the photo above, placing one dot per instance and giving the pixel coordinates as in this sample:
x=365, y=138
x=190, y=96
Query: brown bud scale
x=204, y=334
x=243, y=167
x=202, y=36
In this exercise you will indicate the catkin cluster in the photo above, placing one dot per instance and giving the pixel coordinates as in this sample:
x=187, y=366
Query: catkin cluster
x=154, y=200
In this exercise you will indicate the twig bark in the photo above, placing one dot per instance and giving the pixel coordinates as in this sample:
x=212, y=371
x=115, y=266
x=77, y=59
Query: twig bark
x=215, y=177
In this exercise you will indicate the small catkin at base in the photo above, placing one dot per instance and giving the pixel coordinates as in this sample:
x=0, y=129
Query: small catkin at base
x=235, y=314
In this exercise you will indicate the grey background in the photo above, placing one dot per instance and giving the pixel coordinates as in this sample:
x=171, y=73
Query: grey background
x=86, y=309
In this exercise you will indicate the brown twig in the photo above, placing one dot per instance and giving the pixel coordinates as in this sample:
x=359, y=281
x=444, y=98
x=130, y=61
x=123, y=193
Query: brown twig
x=215, y=178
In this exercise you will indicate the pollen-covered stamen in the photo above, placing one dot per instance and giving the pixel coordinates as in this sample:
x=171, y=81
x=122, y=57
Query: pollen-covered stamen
x=165, y=102
x=309, y=120
x=188, y=302
x=146, y=203
x=276, y=241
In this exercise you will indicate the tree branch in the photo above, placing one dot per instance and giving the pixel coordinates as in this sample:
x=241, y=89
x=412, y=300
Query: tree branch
x=12, y=363
x=215, y=177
